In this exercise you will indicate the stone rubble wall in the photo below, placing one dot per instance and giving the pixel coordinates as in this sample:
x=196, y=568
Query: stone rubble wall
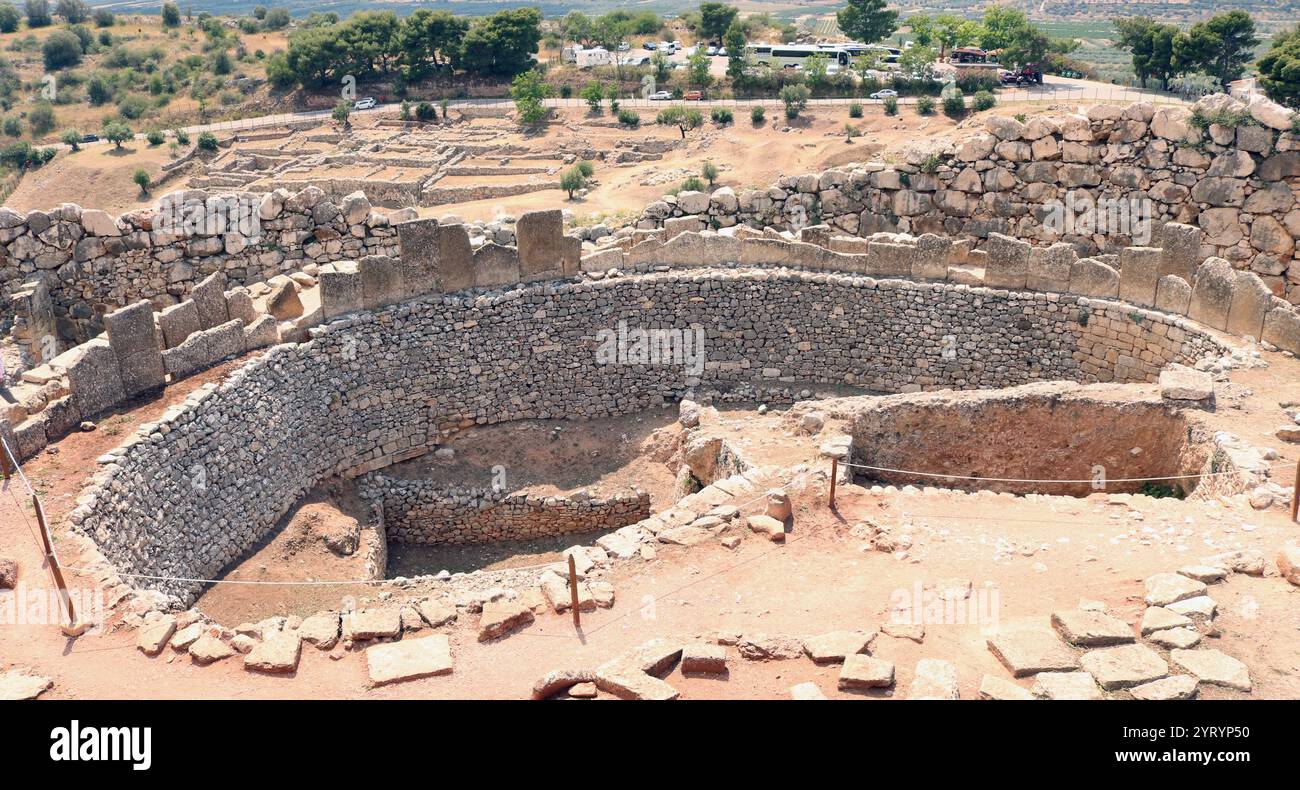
x=423, y=512
x=1240, y=185
x=191, y=492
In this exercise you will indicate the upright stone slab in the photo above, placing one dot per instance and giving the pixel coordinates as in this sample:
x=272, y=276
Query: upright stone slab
x=133, y=338
x=1049, y=268
x=1173, y=294
x=1007, y=265
x=1091, y=277
x=417, y=242
x=239, y=304
x=1180, y=250
x=381, y=282
x=1251, y=299
x=340, y=291
x=1282, y=327
x=178, y=322
x=540, y=236
x=94, y=378
x=210, y=298
x=455, y=270
x=1139, y=272
x=888, y=259
x=931, y=257
x=571, y=259
x=496, y=265
x=1212, y=293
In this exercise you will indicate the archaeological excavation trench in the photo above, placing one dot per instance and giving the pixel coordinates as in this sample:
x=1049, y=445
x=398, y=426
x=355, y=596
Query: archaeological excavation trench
x=378, y=389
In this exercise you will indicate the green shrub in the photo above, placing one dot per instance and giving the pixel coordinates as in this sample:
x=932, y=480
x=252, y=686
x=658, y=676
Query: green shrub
x=721, y=116
x=756, y=114
x=141, y=178
x=71, y=138
x=182, y=136
x=692, y=184
x=925, y=105
x=855, y=110
x=425, y=111
x=155, y=137
x=891, y=106
x=586, y=168
x=207, y=141
x=41, y=119
x=629, y=118
x=954, y=104
x=984, y=100
x=572, y=180
x=710, y=172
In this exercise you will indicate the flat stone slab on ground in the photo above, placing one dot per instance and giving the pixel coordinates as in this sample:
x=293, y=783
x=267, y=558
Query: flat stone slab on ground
x=1124, y=666
x=1208, y=574
x=16, y=685
x=153, y=637
x=436, y=612
x=704, y=659
x=1179, y=382
x=993, y=687
x=208, y=649
x=905, y=631
x=934, y=679
x=500, y=618
x=1200, y=608
x=862, y=671
x=1066, y=685
x=375, y=623
x=1175, y=687
x=1091, y=629
x=766, y=525
x=1213, y=666
x=409, y=659
x=761, y=647
x=1028, y=651
x=832, y=648
x=1176, y=637
x=321, y=630
x=280, y=653
x=1163, y=589
x=626, y=683
x=1158, y=618
x=806, y=691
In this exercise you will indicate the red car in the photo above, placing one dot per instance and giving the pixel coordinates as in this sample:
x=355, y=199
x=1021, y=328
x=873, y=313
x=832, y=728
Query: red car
x=693, y=95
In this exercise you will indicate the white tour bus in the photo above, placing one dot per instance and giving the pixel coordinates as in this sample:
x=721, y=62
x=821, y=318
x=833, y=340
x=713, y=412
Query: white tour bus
x=785, y=56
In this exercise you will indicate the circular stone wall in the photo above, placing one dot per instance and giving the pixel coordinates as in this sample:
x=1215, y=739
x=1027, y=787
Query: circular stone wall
x=206, y=482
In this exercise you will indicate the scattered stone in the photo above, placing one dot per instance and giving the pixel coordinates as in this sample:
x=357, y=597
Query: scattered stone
x=153, y=637
x=1182, y=638
x=768, y=526
x=1178, y=382
x=321, y=630
x=501, y=618
x=20, y=684
x=375, y=623
x=1288, y=561
x=561, y=680
x=409, y=659
x=1200, y=609
x=583, y=691
x=862, y=671
x=684, y=536
x=992, y=687
x=905, y=631
x=208, y=649
x=1173, y=687
x=934, y=679
x=834, y=647
x=1091, y=629
x=1066, y=686
x=1158, y=618
x=8, y=573
x=1213, y=666
x=1247, y=561
x=279, y=653
x=704, y=659
x=1029, y=651
x=184, y=637
x=1208, y=574
x=1121, y=667
x=1163, y=589
x=806, y=691
x=760, y=647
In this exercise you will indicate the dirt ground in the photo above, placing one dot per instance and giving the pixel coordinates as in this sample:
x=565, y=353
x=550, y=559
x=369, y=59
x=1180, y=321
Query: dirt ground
x=1023, y=557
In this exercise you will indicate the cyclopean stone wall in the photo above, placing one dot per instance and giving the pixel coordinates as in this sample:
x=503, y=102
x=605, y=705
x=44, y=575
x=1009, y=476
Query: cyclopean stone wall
x=93, y=263
x=1239, y=183
x=194, y=490
x=426, y=513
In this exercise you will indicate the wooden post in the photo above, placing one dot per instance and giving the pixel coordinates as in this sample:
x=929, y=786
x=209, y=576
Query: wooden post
x=573, y=592
x=1295, y=495
x=835, y=472
x=71, y=629
x=4, y=461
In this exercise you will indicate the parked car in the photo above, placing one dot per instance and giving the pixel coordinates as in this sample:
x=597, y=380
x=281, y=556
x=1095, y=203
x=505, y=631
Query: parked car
x=90, y=138
x=365, y=104
x=623, y=46
x=650, y=45
x=660, y=96
x=722, y=52
x=692, y=95
x=712, y=50
x=885, y=94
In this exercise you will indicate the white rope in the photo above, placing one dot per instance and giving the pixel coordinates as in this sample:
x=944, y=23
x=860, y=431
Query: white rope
x=1104, y=480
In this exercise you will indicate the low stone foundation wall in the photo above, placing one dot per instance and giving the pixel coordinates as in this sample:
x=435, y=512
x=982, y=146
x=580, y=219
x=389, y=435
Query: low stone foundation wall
x=424, y=513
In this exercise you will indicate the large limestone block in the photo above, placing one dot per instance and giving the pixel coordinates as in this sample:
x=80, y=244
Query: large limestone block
x=340, y=291
x=1282, y=328
x=381, y=281
x=134, y=339
x=1173, y=294
x=1139, y=272
x=888, y=259
x=417, y=242
x=204, y=349
x=702, y=249
x=1212, y=293
x=1091, y=277
x=409, y=659
x=210, y=298
x=178, y=322
x=930, y=261
x=1251, y=300
x=455, y=271
x=540, y=238
x=1007, y=264
x=496, y=265
x=94, y=377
